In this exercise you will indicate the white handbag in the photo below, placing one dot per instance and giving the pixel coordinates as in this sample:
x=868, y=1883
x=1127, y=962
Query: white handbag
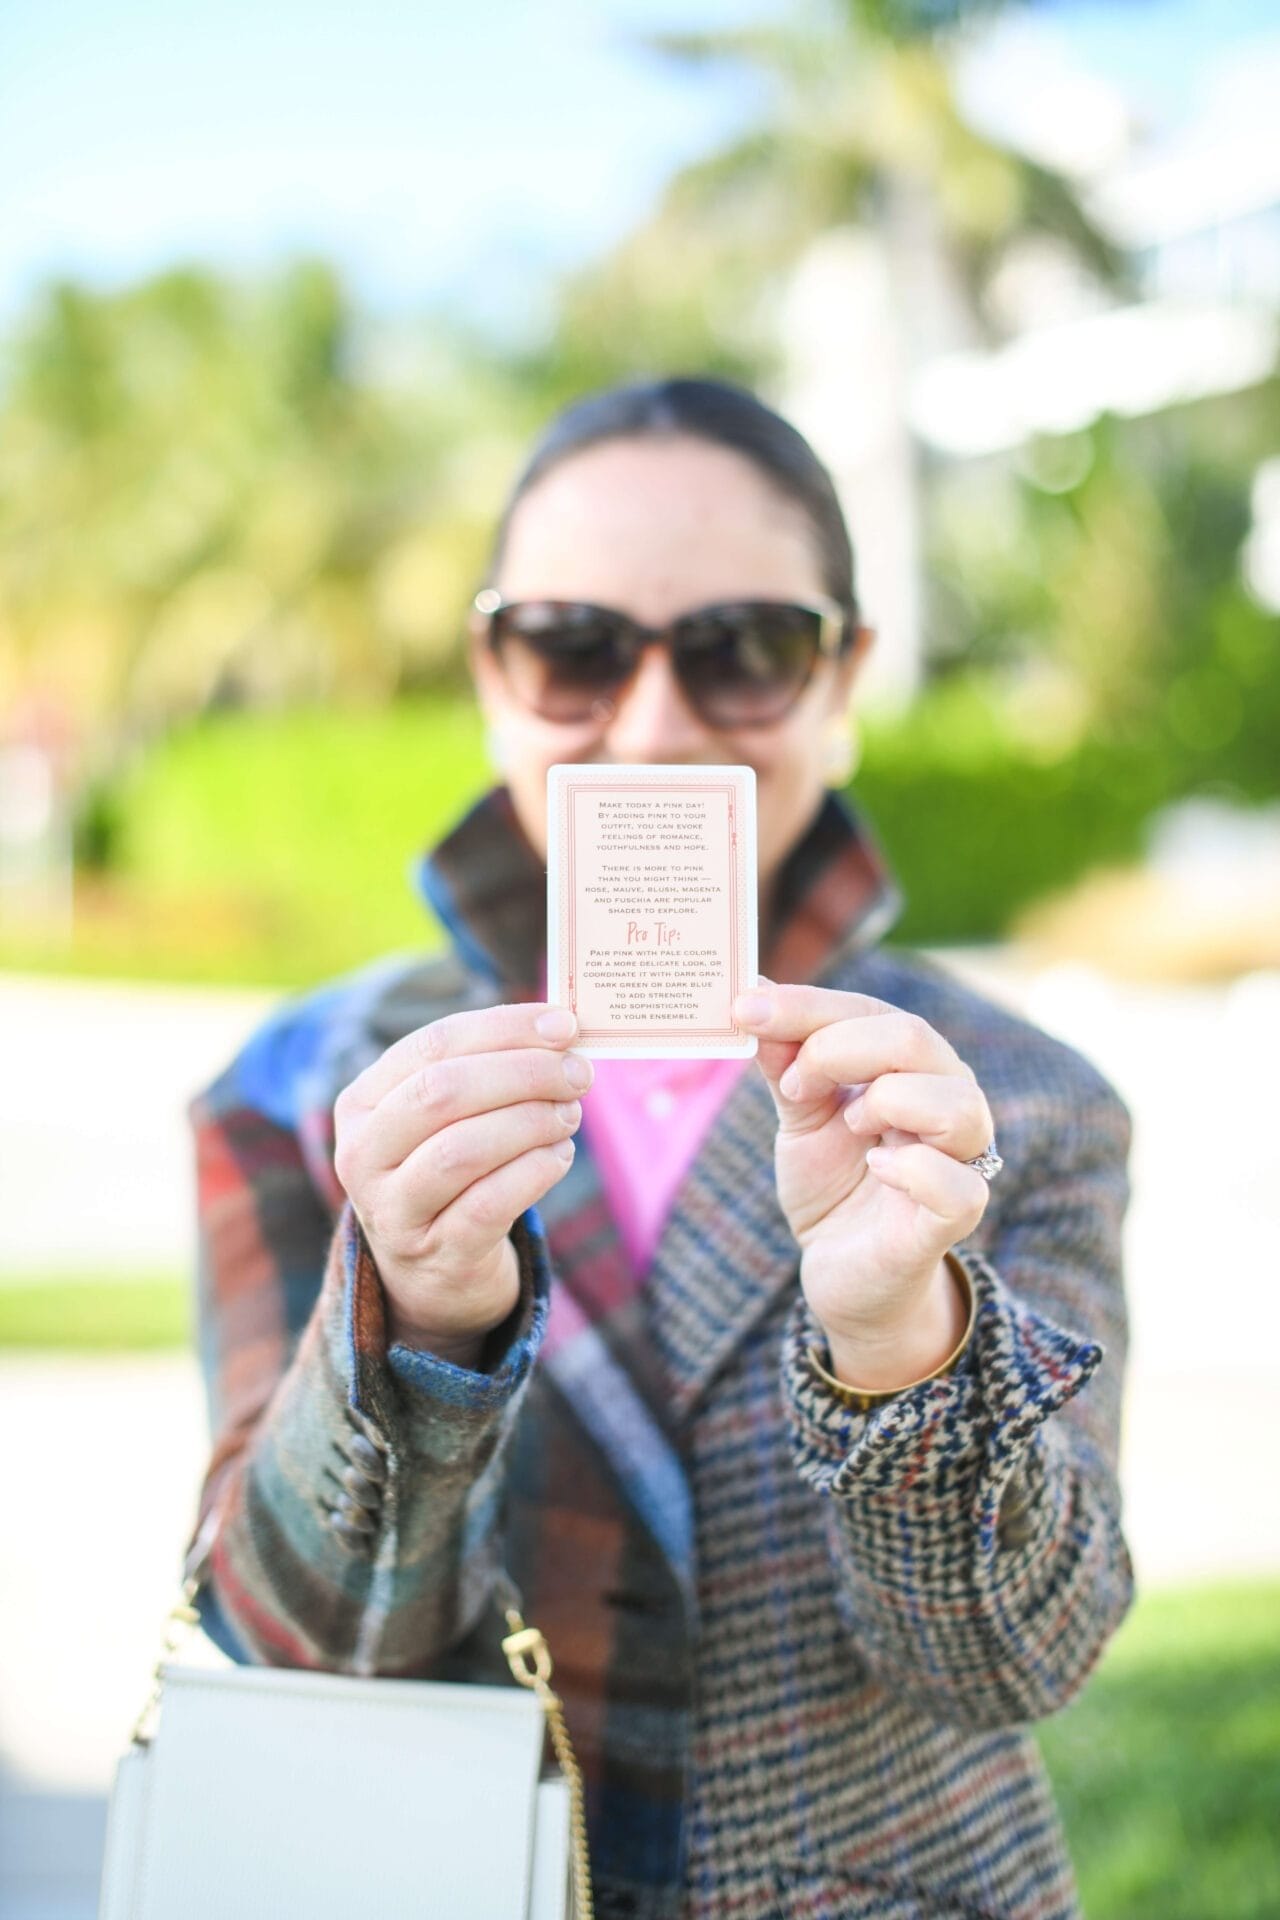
x=282, y=1794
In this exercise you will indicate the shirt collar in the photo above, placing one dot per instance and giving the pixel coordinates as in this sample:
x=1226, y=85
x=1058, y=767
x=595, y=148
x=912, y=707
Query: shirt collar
x=835, y=892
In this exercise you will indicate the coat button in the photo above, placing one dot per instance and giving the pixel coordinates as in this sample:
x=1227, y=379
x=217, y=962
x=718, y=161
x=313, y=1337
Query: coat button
x=362, y=1491
x=348, y=1534
x=356, y=1516
x=1014, y=1532
x=362, y=1425
x=1015, y=1525
x=368, y=1458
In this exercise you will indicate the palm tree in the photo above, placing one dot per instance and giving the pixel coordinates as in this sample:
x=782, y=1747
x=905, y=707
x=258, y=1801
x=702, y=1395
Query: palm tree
x=204, y=500
x=828, y=251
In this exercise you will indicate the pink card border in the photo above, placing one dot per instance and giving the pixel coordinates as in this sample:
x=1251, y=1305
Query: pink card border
x=656, y=1035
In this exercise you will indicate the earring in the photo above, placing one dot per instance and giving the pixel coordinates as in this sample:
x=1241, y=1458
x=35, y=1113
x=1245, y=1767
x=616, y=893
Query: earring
x=842, y=752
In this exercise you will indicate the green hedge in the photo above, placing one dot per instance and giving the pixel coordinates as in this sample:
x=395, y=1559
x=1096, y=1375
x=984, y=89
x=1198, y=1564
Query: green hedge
x=972, y=845
x=276, y=848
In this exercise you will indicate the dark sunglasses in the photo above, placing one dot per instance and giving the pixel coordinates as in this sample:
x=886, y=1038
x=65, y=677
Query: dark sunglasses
x=743, y=663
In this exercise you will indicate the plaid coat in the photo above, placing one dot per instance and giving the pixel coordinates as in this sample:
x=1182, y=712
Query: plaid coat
x=802, y=1648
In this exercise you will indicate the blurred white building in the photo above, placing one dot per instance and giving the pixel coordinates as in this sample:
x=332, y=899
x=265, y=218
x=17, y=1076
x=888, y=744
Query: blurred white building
x=1196, y=212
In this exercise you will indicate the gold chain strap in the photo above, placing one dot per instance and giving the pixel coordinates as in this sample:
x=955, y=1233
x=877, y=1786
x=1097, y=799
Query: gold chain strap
x=530, y=1660
x=179, y=1620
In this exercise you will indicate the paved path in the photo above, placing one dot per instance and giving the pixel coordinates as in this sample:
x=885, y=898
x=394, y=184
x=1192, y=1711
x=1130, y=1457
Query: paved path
x=106, y=1069
x=105, y=1072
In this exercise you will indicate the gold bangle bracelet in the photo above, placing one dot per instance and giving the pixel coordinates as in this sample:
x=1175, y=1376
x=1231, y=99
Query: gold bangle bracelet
x=865, y=1397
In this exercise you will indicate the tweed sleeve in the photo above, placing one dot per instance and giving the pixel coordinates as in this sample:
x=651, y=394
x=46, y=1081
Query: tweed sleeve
x=975, y=1520
x=315, y=1420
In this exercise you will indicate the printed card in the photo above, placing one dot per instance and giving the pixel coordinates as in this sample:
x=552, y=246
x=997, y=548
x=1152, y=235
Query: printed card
x=651, y=907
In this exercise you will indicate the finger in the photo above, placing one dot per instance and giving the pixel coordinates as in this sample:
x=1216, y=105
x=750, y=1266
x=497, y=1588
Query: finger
x=474, y=1030
x=863, y=1048
x=811, y=1081
x=955, y=1193
x=455, y=1158
x=435, y=1096
x=794, y=1012
x=947, y=1111
x=773, y=1057
x=468, y=1230
x=843, y=1037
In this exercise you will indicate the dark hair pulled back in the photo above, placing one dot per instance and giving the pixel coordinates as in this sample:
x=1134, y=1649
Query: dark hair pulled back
x=715, y=410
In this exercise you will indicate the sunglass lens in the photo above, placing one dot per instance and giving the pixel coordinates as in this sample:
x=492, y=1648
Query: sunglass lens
x=563, y=661
x=745, y=665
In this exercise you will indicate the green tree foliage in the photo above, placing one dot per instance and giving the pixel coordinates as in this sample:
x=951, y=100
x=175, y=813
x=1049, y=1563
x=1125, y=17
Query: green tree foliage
x=216, y=495
x=1095, y=582
x=859, y=124
x=206, y=499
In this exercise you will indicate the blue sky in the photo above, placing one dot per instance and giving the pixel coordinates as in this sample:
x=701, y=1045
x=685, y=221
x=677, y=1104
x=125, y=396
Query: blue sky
x=432, y=151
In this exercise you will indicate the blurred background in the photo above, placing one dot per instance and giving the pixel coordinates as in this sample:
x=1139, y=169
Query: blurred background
x=284, y=296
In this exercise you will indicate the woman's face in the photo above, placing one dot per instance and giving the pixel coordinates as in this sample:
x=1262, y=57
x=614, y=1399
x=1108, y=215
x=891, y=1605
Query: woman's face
x=655, y=528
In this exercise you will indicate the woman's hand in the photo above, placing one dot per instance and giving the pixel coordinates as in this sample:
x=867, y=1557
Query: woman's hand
x=440, y=1144
x=873, y=1222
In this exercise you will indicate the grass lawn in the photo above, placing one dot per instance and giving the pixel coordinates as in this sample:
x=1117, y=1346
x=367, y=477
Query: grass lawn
x=86, y=1313
x=1167, y=1768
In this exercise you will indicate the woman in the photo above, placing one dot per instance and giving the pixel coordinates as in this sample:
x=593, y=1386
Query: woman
x=801, y=1630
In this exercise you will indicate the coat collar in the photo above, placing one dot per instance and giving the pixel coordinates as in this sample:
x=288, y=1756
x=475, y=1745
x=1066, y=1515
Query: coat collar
x=631, y=1365
x=488, y=887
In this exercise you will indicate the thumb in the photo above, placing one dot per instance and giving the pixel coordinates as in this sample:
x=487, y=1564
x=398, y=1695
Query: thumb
x=773, y=1057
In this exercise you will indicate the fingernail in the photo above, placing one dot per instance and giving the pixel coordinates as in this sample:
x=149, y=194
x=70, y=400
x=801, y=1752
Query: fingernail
x=570, y=1111
x=556, y=1024
x=752, y=1009
x=563, y=1150
x=790, y=1084
x=578, y=1072
x=854, y=1110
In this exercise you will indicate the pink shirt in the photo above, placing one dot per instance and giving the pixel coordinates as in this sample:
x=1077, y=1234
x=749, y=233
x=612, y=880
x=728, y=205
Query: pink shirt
x=644, y=1121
